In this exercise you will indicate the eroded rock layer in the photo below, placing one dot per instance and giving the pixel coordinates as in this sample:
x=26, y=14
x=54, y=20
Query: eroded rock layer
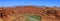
x=12, y=14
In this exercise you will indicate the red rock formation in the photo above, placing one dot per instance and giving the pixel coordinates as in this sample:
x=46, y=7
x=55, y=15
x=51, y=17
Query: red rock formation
x=8, y=13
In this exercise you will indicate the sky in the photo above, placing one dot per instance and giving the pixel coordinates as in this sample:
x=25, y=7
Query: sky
x=29, y=2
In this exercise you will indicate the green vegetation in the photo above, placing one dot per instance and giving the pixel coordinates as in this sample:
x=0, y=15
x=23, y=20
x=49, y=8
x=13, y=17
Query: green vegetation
x=33, y=18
